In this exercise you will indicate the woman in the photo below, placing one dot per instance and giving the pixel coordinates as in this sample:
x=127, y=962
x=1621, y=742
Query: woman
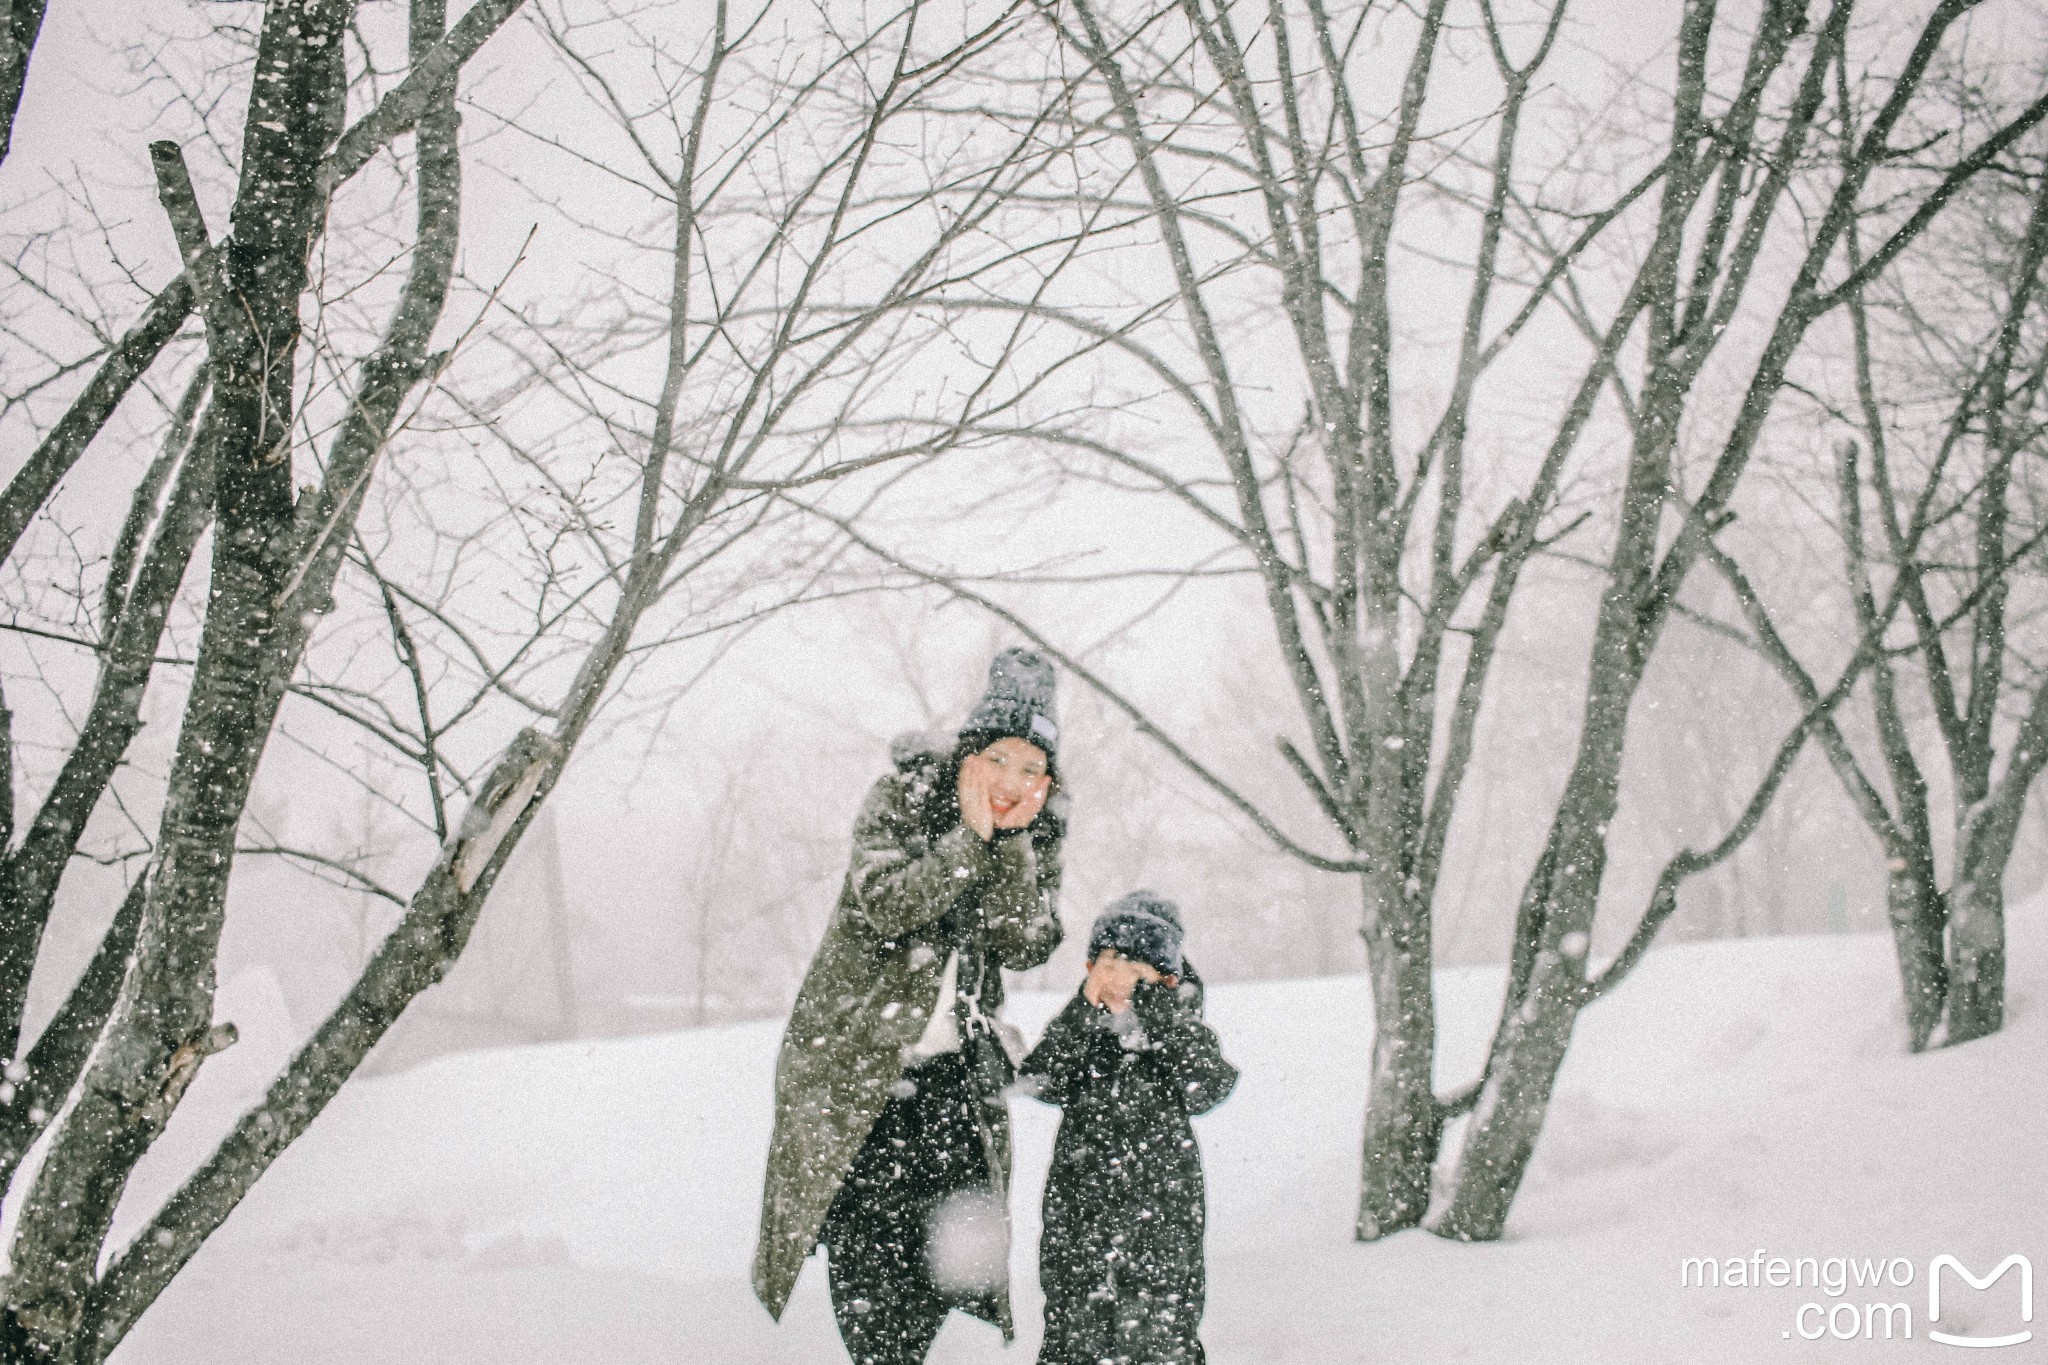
x=888, y=1114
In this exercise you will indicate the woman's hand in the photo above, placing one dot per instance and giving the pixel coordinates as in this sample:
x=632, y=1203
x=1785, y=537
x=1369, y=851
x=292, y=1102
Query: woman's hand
x=1112, y=977
x=1025, y=808
x=976, y=811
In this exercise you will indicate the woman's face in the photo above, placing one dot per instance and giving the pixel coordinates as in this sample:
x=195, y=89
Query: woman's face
x=1017, y=775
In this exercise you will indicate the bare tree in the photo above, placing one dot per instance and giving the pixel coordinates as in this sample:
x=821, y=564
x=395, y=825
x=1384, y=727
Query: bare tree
x=1948, y=402
x=271, y=570
x=173, y=505
x=1685, y=319
x=1254, y=174
x=798, y=238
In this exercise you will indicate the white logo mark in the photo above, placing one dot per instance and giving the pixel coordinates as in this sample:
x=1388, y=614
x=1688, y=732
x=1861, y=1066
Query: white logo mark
x=2026, y=1298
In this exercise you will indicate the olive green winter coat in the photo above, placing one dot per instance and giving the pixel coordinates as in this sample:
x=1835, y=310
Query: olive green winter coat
x=870, y=991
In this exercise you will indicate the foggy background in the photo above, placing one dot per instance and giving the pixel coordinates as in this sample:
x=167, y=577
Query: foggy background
x=683, y=870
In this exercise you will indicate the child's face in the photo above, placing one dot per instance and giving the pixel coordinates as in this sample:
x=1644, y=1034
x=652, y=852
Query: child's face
x=1111, y=978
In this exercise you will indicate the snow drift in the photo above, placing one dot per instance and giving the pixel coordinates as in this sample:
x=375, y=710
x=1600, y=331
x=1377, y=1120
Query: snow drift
x=1747, y=1099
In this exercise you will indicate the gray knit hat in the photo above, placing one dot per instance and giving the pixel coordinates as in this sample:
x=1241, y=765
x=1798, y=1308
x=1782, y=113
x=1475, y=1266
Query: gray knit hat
x=1143, y=926
x=1018, y=702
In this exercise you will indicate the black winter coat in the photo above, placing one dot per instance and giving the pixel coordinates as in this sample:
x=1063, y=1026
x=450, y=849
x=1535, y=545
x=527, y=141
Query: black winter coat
x=1121, y=1260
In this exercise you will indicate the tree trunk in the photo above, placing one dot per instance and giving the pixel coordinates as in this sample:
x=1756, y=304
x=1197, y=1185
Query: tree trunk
x=66, y=1042
x=1554, y=924
x=1976, y=905
x=1914, y=906
x=1976, y=956
x=161, y=1029
x=1403, y=1121
x=1502, y=1137
x=159, y=1033
x=1545, y=991
x=29, y=876
x=416, y=954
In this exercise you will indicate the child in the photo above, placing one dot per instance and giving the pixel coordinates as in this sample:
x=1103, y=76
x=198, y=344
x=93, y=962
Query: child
x=1129, y=1059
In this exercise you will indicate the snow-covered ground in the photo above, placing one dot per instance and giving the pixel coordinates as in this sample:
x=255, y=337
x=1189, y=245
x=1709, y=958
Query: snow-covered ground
x=596, y=1202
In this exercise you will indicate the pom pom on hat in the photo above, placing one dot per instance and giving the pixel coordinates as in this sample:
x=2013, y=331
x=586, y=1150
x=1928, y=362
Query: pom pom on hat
x=1143, y=926
x=1018, y=703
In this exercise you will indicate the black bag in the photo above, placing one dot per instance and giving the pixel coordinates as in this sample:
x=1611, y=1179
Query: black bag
x=990, y=1047
x=989, y=1068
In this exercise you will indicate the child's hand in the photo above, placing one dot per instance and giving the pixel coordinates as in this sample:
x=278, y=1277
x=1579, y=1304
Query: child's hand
x=1111, y=978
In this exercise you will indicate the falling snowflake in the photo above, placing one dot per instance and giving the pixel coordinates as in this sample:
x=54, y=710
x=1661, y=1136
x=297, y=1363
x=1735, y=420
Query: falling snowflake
x=969, y=1243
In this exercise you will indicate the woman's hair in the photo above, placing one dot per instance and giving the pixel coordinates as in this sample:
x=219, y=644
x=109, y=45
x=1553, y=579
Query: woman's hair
x=938, y=802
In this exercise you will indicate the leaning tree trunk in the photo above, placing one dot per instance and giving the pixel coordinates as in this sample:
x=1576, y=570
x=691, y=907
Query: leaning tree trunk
x=1554, y=920
x=30, y=873
x=161, y=1029
x=416, y=954
x=1546, y=987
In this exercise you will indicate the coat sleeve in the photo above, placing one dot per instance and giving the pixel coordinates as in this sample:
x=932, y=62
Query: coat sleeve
x=893, y=892
x=1020, y=905
x=1185, y=1053
x=1058, y=1065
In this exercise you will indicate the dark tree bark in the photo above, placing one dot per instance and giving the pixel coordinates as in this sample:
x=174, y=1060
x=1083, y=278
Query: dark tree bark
x=1976, y=982
x=30, y=873
x=161, y=1026
x=418, y=953
x=397, y=113
x=51, y=1067
x=20, y=22
x=33, y=483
